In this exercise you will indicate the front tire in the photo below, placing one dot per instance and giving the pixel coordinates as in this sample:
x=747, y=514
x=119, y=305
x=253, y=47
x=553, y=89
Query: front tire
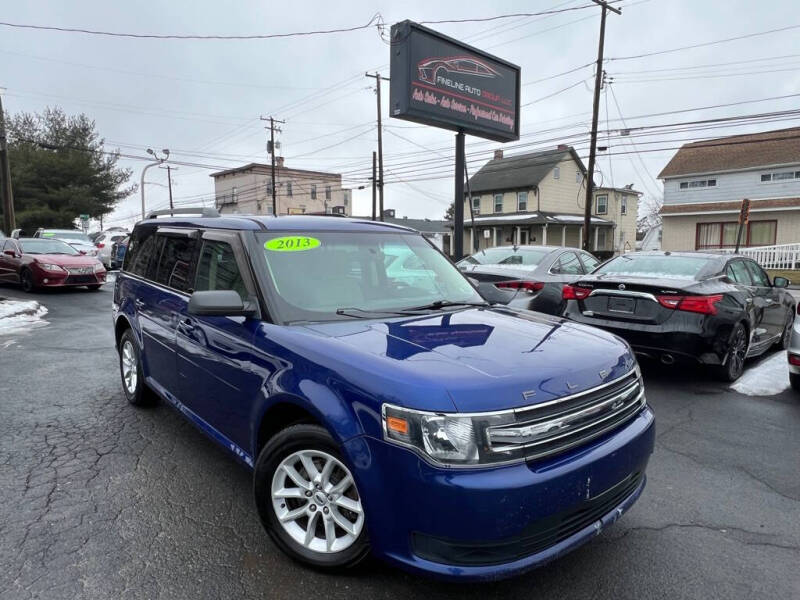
x=307, y=499
x=737, y=353
x=26, y=281
x=130, y=369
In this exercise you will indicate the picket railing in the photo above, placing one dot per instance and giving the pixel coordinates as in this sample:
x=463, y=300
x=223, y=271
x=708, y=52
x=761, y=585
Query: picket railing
x=782, y=256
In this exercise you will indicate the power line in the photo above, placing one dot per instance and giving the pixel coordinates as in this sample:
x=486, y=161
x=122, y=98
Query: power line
x=703, y=44
x=375, y=20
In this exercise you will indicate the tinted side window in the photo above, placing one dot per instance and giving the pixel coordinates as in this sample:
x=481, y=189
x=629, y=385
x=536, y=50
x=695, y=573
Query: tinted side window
x=568, y=264
x=174, y=266
x=757, y=273
x=217, y=269
x=737, y=271
x=140, y=252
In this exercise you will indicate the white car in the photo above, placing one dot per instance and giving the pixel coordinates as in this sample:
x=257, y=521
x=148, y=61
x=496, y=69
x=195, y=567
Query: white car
x=103, y=243
x=77, y=239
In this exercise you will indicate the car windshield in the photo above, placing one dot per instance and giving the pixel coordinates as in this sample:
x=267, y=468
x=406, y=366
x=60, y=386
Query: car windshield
x=508, y=255
x=357, y=274
x=75, y=236
x=655, y=266
x=40, y=246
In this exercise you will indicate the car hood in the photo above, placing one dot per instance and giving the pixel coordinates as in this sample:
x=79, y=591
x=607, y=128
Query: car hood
x=483, y=359
x=65, y=260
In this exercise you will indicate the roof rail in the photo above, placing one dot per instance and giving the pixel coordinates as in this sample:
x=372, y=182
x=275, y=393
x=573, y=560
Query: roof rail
x=202, y=211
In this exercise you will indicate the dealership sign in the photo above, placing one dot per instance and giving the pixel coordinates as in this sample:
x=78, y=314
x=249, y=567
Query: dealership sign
x=439, y=81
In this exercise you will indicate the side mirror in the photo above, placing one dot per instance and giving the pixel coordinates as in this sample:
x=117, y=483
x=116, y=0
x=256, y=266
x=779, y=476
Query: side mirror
x=10, y=253
x=220, y=303
x=780, y=282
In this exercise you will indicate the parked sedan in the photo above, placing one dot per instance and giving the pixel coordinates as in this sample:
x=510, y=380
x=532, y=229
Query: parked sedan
x=718, y=309
x=794, y=355
x=104, y=242
x=534, y=274
x=77, y=239
x=37, y=263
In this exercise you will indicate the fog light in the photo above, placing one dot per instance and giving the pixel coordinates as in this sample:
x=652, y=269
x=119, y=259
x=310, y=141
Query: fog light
x=44, y=280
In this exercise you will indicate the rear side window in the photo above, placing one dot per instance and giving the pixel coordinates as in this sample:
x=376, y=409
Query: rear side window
x=174, y=266
x=217, y=269
x=568, y=264
x=737, y=271
x=590, y=262
x=140, y=252
x=757, y=273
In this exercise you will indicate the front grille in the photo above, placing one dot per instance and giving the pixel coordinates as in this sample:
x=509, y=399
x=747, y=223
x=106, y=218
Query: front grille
x=552, y=427
x=81, y=279
x=537, y=536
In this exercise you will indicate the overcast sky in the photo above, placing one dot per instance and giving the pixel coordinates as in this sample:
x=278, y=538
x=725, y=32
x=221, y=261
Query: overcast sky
x=203, y=99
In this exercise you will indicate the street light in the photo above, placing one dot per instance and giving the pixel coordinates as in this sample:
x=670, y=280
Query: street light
x=158, y=161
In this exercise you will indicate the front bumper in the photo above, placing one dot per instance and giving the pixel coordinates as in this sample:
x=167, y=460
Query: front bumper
x=55, y=279
x=481, y=524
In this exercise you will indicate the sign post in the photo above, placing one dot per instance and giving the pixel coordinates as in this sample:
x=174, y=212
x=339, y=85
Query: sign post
x=84, y=223
x=439, y=81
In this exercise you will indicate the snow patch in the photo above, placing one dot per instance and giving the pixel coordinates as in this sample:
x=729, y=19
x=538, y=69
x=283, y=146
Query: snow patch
x=18, y=316
x=769, y=377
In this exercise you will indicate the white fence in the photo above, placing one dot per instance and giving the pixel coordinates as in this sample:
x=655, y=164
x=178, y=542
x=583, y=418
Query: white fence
x=783, y=256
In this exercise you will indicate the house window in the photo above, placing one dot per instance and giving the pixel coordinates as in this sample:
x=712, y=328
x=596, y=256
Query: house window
x=601, y=238
x=623, y=205
x=522, y=201
x=476, y=205
x=578, y=176
x=235, y=194
x=269, y=189
x=288, y=188
x=313, y=191
x=698, y=183
x=602, y=204
x=498, y=203
x=327, y=192
x=723, y=234
x=556, y=172
x=780, y=176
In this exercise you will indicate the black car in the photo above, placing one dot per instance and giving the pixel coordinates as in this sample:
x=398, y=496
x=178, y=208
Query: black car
x=718, y=309
x=533, y=275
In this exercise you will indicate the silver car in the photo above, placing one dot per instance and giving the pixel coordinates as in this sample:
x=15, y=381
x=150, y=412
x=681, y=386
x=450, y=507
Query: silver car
x=794, y=354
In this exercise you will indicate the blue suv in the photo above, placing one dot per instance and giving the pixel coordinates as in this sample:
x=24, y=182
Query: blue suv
x=382, y=403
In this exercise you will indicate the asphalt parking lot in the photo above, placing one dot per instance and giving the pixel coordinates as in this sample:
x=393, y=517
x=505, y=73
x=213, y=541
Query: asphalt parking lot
x=102, y=500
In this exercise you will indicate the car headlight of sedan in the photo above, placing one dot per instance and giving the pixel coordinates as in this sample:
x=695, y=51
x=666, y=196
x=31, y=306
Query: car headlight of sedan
x=51, y=267
x=98, y=266
x=447, y=438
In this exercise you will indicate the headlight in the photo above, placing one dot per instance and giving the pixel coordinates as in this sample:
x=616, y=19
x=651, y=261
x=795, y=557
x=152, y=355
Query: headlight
x=50, y=267
x=447, y=439
x=98, y=266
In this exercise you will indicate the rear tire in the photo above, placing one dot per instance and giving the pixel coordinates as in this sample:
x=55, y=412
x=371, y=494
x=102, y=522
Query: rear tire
x=794, y=380
x=130, y=369
x=737, y=353
x=297, y=476
x=26, y=281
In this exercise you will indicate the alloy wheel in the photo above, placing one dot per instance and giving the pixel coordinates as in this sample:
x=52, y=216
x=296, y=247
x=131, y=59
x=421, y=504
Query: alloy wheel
x=130, y=371
x=316, y=501
x=738, y=351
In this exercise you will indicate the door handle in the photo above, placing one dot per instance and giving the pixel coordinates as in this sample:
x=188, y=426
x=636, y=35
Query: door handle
x=185, y=326
x=138, y=303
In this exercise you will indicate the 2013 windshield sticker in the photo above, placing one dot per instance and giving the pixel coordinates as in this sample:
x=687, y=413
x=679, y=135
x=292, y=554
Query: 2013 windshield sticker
x=292, y=243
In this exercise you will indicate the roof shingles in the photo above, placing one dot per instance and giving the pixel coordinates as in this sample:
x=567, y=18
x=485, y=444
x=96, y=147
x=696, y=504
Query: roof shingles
x=520, y=171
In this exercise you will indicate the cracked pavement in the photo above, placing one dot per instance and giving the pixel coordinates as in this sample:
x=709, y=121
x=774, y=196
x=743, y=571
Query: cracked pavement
x=99, y=499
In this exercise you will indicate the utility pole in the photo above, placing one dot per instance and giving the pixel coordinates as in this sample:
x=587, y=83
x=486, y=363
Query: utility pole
x=598, y=81
x=169, y=185
x=6, y=195
x=377, y=77
x=374, y=188
x=271, y=150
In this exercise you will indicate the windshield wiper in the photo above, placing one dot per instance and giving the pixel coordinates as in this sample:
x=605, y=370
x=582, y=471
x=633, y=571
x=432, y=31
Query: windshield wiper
x=443, y=304
x=361, y=313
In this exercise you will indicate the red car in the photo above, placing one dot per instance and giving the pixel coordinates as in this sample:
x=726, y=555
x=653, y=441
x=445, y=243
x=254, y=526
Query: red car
x=41, y=262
